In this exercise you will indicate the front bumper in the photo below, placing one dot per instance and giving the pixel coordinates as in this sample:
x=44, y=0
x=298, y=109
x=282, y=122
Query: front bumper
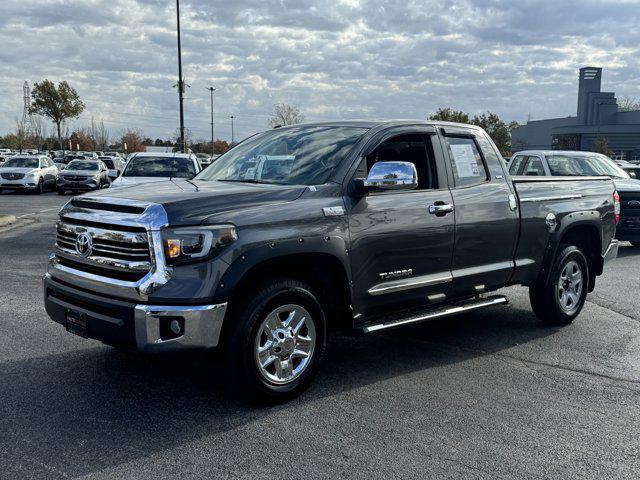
x=22, y=184
x=139, y=326
x=89, y=184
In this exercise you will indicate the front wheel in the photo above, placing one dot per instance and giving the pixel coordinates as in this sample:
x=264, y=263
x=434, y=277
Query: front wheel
x=562, y=297
x=275, y=344
x=40, y=187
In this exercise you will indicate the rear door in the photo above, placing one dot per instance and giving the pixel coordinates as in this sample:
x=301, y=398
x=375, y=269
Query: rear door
x=400, y=253
x=486, y=220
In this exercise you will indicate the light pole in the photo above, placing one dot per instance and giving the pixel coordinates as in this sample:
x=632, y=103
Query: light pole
x=180, y=79
x=211, y=89
x=232, y=138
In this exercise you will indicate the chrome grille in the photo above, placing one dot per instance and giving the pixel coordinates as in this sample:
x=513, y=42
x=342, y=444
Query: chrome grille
x=113, y=252
x=75, y=178
x=13, y=176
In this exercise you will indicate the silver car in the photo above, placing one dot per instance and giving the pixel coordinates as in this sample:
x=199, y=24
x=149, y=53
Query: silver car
x=83, y=175
x=28, y=172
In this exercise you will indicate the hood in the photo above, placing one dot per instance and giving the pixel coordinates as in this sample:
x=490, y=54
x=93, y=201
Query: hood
x=130, y=181
x=84, y=173
x=626, y=184
x=190, y=202
x=24, y=170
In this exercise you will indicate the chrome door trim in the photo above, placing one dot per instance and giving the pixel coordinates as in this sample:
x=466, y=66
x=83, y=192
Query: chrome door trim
x=410, y=283
x=550, y=198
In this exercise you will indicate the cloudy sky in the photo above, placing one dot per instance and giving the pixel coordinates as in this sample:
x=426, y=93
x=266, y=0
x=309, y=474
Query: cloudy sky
x=335, y=59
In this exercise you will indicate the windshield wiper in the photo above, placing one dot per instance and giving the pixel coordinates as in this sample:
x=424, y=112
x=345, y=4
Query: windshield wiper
x=246, y=180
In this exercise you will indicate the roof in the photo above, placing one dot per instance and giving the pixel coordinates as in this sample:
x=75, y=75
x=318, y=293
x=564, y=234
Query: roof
x=163, y=154
x=555, y=152
x=382, y=123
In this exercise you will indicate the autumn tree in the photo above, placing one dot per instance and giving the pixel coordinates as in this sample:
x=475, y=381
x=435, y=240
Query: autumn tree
x=498, y=130
x=284, y=114
x=82, y=139
x=58, y=104
x=450, y=115
x=601, y=145
x=131, y=141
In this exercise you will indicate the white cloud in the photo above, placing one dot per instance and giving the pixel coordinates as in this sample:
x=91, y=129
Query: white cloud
x=334, y=59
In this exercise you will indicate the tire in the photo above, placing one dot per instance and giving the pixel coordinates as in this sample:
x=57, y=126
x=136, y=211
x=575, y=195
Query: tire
x=267, y=319
x=40, y=187
x=561, y=299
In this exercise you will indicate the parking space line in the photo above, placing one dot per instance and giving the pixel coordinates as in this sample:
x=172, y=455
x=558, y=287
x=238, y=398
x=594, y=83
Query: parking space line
x=36, y=213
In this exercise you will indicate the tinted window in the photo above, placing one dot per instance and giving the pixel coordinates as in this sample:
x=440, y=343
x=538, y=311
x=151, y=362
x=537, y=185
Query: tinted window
x=291, y=156
x=514, y=168
x=160, y=167
x=466, y=162
x=533, y=167
x=22, y=162
x=584, y=165
x=108, y=162
x=407, y=148
x=83, y=165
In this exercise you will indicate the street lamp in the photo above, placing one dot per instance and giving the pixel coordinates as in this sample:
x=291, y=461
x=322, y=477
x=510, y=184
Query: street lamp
x=180, y=79
x=232, y=138
x=211, y=89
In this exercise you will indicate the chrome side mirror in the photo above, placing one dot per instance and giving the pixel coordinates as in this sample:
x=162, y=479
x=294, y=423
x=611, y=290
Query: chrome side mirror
x=392, y=176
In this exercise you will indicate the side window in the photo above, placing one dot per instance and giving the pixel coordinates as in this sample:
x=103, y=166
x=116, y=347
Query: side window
x=466, y=161
x=516, y=163
x=533, y=167
x=412, y=148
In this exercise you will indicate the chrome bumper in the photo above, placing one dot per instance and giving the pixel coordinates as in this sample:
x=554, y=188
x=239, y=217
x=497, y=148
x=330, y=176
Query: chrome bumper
x=202, y=327
x=612, y=251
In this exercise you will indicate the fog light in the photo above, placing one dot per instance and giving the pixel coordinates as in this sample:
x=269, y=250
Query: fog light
x=175, y=327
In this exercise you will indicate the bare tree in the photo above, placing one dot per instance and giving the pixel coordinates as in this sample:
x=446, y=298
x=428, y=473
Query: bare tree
x=628, y=104
x=284, y=114
x=101, y=136
x=22, y=135
x=38, y=130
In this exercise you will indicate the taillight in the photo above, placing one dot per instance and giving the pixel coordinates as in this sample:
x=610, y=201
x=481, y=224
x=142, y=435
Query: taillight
x=616, y=206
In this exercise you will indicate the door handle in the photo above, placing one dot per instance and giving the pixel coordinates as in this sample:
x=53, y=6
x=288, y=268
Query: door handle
x=440, y=208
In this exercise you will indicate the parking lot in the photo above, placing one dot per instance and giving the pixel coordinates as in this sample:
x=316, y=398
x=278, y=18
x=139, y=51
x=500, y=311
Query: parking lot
x=492, y=394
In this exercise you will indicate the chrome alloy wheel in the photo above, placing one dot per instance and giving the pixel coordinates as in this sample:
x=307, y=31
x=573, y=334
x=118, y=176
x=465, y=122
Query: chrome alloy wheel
x=285, y=344
x=570, y=286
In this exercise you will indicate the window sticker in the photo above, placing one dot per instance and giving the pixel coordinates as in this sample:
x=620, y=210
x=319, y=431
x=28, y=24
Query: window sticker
x=465, y=160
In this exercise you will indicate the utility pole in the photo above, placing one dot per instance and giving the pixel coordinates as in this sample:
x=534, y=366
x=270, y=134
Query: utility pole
x=232, y=138
x=211, y=89
x=180, y=80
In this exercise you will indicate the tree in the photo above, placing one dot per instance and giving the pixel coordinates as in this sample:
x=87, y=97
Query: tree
x=628, y=104
x=498, y=130
x=58, y=104
x=601, y=145
x=133, y=140
x=450, y=115
x=22, y=136
x=11, y=141
x=101, y=137
x=220, y=147
x=284, y=114
x=82, y=139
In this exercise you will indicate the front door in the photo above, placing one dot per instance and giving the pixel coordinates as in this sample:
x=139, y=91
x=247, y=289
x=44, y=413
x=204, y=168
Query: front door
x=401, y=253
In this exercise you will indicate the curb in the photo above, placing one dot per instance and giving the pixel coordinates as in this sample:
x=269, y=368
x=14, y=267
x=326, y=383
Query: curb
x=6, y=220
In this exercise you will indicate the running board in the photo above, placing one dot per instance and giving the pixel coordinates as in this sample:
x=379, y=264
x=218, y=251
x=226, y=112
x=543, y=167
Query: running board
x=433, y=314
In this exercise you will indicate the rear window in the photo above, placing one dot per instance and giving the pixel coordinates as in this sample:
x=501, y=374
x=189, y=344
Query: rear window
x=160, y=167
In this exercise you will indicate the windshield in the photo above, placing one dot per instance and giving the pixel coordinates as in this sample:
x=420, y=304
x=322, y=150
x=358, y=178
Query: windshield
x=292, y=156
x=83, y=165
x=584, y=165
x=22, y=162
x=108, y=162
x=175, y=167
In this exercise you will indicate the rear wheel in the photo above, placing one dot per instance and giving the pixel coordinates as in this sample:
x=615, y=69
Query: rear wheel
x=561, y=298
x=275, y=344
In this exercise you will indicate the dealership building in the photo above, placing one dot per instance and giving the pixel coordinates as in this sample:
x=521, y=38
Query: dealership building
x=598, y=118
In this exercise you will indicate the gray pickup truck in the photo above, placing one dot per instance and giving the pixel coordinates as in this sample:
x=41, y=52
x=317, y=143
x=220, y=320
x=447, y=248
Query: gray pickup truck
x=359, y=226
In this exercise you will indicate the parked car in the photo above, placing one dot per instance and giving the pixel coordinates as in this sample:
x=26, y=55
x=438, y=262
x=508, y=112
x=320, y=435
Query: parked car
x=539, y=163
x=156, y=167
x=204, y=159
x=363, y=226
x=83, y=175
x=114, y=154
x=632, y=169
x=28, y=172
x=114, y=164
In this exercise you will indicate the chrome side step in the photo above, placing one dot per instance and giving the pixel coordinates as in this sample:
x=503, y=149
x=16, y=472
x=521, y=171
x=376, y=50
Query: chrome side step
x=433, y=314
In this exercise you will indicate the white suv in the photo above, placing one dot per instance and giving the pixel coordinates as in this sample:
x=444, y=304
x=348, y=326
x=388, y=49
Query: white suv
x=28, y=172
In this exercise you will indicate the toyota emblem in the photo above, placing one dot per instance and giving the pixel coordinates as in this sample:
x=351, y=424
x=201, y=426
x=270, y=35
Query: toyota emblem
x=633, y=203
x=84, y=244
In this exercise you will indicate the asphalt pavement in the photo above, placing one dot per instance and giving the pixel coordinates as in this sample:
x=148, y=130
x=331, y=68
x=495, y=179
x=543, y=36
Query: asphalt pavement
x=491, y=394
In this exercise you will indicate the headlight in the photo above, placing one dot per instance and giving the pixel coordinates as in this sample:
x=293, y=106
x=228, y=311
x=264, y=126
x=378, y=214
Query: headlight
x=187, y=244
x=31, y=174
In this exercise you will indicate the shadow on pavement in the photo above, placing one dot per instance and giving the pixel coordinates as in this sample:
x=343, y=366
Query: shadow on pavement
x=83, y=411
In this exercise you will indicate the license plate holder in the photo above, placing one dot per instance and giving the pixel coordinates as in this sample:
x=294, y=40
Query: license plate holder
x=76, y=323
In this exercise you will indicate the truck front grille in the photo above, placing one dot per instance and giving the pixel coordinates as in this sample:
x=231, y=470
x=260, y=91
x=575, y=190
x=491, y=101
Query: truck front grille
x=110, y=251
x=630, y=203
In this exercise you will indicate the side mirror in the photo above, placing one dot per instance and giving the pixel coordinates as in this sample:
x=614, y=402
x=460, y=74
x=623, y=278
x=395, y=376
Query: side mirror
x=392, y=176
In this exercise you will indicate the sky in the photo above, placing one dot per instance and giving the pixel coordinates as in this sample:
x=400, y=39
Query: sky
x=334, y=59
